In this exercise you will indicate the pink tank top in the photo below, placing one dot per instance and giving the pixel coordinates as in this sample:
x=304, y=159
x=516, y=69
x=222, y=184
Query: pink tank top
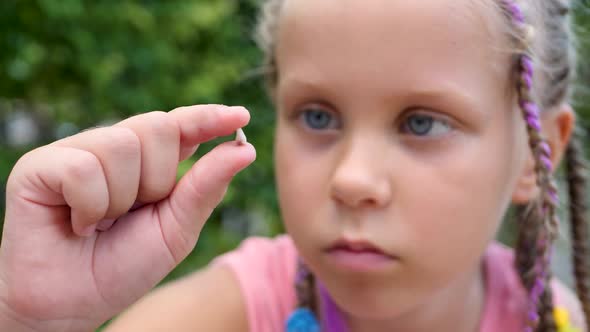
x=265, y=270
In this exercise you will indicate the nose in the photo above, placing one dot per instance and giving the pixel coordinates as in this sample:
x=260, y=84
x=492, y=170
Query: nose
x=361, y=178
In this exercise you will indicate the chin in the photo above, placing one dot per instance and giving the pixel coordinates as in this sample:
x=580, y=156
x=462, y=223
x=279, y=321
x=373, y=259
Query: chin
x=369, y=298
x=369, y=309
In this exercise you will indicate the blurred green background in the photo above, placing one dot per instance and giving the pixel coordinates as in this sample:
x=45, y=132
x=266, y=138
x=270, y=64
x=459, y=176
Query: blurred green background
x=66, y=65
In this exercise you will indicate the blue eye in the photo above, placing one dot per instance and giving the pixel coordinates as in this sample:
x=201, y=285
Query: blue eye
x=318, y=119
x=424, y=125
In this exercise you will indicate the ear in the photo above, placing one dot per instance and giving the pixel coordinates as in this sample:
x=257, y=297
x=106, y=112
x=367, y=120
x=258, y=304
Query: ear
x=558, y=125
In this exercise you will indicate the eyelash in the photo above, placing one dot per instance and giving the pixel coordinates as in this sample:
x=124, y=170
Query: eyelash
x=306, y=110
x=403, y=126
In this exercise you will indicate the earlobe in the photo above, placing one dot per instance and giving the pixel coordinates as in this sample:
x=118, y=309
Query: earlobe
x=557, y=125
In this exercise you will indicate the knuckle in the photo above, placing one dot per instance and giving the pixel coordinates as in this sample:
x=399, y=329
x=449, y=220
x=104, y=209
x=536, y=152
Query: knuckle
x=155, y=190
x=180, y=244
x=119, y=203
x=178, y=238
x=208, y=198
x=12, y=183
x=179, y=109
x=161, y=125
x=125, y=141
x=205, y=112
x=82, y=166
x=97, y=209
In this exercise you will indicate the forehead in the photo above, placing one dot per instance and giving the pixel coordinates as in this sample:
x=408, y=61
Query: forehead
x=372, y=39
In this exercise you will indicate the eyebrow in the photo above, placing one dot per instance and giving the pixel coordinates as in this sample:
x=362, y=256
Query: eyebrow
x=446, y=94
x=294, y=83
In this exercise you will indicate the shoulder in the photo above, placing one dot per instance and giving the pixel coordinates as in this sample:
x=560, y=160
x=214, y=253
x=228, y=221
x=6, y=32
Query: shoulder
x=202, y=300
x=258, y=257
x=261, y=251
x=265, y=271
x=251, y=284
x=564, y=298
x=505, y=281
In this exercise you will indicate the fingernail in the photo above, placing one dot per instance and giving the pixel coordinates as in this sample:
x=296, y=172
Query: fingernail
x=89, y=230
x=136, y=205
x=105, y=224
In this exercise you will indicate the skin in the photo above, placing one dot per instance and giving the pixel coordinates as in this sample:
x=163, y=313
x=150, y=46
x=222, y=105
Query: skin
x=434, y=202
x=56, y=272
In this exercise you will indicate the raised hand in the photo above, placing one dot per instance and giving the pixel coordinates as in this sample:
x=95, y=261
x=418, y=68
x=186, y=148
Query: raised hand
x=76, y=248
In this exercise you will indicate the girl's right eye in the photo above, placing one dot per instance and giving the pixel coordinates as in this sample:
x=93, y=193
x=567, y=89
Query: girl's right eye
x=316, y=118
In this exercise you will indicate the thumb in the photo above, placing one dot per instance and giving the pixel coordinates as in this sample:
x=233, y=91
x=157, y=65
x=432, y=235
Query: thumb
x=199, y=191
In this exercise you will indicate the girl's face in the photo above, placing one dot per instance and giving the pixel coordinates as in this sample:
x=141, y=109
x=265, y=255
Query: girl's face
x=395, y=134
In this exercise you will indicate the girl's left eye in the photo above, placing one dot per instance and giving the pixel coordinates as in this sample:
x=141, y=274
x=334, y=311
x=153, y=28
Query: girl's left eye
x=425, y=125
x=316, y=118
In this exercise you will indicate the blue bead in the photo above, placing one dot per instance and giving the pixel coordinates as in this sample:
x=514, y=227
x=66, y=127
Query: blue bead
x=302, y=320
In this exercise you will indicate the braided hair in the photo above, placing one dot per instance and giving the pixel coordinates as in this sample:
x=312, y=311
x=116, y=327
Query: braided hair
x=538, y=223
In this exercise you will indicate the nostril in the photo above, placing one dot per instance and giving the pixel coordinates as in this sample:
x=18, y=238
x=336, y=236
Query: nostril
x=369, y=202
x=355, y=198
x=358, y=181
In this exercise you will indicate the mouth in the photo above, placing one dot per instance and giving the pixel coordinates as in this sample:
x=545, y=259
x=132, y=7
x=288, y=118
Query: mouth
x=359, y=255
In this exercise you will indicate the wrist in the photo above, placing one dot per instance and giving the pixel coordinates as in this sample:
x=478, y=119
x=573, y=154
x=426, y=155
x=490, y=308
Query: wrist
x=9, y=321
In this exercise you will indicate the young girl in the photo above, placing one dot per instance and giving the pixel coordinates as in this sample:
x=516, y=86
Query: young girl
x=405, y=129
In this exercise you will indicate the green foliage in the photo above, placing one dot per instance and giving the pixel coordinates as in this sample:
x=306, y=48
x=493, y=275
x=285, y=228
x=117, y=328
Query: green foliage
x=91, y=62
x=582, y=91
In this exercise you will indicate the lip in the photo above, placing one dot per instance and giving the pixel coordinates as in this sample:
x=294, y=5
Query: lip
x=359, y=255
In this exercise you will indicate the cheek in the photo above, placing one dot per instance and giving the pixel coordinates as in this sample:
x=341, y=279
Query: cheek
x=300, y=180
x=462, y=208
x=466, y=196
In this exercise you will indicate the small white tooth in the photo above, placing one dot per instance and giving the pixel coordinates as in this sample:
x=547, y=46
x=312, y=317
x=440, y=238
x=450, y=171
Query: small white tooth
x=240, y=136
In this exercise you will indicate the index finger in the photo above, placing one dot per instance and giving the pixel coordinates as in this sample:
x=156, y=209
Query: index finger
x=201, y=123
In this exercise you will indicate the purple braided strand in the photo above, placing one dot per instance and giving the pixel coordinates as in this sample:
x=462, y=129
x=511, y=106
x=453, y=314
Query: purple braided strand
x=544, y=167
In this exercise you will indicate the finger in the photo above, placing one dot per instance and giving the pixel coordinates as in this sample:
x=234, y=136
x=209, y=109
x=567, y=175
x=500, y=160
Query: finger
x=119, y=151
x=105, y=224
x=159, y=134
x=202, y=123
x=153, y=239
x=186, y=152
x=198, y=192
x=70, y=177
